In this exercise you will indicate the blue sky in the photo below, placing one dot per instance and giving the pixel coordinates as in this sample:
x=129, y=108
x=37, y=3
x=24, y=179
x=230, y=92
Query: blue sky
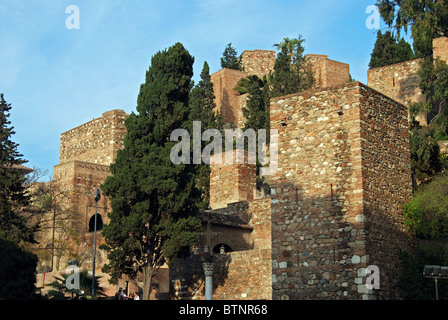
x=57, y=78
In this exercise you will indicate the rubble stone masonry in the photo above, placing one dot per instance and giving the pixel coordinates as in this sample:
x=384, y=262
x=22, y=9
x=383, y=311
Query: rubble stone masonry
x=85, y=155
x=401, y=81
x=331, y=214
x=96, y=141
x=440, y=48
x=398, y=81
x=258, y=62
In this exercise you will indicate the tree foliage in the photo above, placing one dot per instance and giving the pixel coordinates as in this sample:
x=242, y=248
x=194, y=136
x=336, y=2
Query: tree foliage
x=425, y=153
x=202, y=108
x=13, y=196
x=230, y=58
x=256, y=110
x=388, y=50
x=427, y=213
x=60, y=291
x=292, y=72
x=434, y=85
x=426, y=19
x=153, y=201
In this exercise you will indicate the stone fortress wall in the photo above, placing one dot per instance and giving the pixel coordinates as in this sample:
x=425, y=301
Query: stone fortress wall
x=334, y=206
x=400, y=81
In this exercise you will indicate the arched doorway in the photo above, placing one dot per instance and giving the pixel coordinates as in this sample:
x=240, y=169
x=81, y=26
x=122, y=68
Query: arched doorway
x=222, y=246
x=99, y=223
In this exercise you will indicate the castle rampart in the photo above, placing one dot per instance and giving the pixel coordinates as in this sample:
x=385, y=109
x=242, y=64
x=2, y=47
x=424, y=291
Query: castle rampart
x=228, y=100
x=328, y=72
x=335, y=205
x=331, y=215
x=401, y=81
x=96, y=141
x=398, y=81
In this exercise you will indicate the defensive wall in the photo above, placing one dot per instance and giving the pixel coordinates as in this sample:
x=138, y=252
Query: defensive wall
x=334, y=206
x=401, y=81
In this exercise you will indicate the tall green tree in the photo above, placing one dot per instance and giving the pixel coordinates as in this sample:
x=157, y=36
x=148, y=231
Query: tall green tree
x=202, y=109
x=202, y=102
x=425, y=153
x=427, y=213
x=256, y=110
x=154, y=202
x=292, y=72
x=388, y=50
x=434, y=85
x=13, y=196
x=230, y=58
x=426, y=19
x=291, y=47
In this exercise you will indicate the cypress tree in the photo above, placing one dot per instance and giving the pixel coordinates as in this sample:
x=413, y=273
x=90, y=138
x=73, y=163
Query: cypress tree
x=13, y=196
x=255, y=111
x=388, y=50
x=202, y=108
x=230, y=58
x=153, y=201
x=202, y=102
x=283, y=79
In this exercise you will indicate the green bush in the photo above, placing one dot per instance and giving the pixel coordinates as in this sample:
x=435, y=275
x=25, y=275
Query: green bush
x=427, y=213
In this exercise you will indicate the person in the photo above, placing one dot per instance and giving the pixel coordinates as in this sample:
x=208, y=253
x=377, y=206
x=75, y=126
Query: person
x=123, y=295
x=118, y=295
x=136, y=297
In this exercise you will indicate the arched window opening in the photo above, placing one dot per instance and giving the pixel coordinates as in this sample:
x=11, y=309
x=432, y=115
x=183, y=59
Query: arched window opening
x=99, y=223
x=222, y=248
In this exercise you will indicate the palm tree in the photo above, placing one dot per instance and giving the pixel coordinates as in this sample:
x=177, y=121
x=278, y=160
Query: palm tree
x=61, y=292
x=293, y=47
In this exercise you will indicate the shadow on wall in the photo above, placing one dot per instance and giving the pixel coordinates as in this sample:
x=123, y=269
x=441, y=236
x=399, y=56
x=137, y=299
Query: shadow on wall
x=187, y=277
x=319, y=253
